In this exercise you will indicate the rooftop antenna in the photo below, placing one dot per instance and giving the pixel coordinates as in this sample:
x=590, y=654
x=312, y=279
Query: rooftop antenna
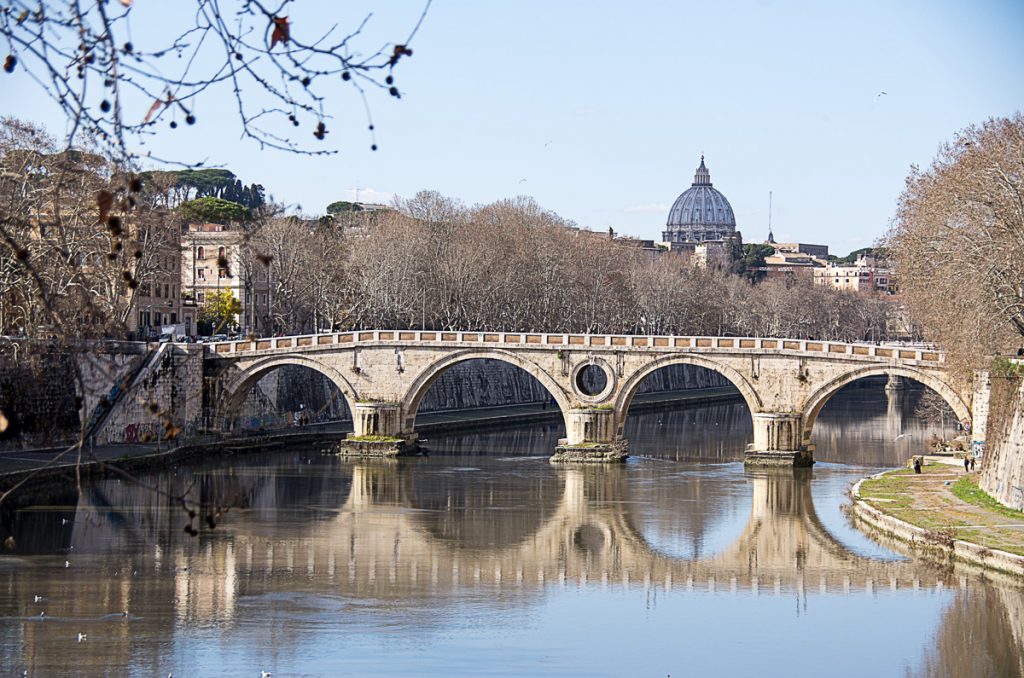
x=771, y=237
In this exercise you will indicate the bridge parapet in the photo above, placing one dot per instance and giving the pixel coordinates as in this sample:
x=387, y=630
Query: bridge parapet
x=661, y=343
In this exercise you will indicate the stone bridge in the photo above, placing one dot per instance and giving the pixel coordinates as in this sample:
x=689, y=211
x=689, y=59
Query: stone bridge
x=383, y=376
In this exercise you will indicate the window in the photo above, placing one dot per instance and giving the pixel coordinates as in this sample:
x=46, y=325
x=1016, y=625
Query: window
x=174, y=318
x=201, y=274
x=201, y=253
x=158, y=290
x=220, y=254
x=221, y=273
x=167, y=290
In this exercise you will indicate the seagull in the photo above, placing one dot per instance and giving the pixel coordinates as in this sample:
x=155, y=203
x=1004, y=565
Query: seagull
x=265, y=674
x=522, y=181
x=899, y=436
x=37, y=599
x=67, y=563
x=81, y=637
x=548, y=143
x=880, y=94
x=63, y=521
x=42, y=614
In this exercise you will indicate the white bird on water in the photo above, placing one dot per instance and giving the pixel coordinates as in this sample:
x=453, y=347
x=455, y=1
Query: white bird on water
x=265, y=674
x=38, y=599
x=67, y=563
x=82, y=636
x=880, y=94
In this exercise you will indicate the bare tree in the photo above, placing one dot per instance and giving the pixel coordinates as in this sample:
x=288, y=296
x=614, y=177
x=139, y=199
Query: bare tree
x=282, y=75
x=80, y=237
x=958, y=241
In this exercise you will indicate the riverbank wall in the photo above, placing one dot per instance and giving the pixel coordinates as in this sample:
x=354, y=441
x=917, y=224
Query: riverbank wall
x=1002, y=469
x=936, y=545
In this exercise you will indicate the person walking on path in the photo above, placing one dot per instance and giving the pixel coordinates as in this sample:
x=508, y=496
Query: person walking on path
x=967, y=465
x=917, y=464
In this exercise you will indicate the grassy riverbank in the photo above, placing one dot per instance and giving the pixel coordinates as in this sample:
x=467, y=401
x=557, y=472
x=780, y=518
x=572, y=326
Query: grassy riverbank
x=947, y=505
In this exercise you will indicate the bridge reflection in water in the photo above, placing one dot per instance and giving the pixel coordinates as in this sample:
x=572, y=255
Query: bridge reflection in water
x=423, y=530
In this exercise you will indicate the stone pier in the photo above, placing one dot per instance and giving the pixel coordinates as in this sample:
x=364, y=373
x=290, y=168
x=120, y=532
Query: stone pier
x=590, y=437
x=778, y=441
x=378, y=432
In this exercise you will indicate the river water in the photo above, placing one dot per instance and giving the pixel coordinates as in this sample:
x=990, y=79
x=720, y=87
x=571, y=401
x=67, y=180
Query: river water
x=485, y=559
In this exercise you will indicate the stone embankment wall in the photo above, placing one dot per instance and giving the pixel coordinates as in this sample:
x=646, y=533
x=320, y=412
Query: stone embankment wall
x=163, y=399
x=1002, y=471
x=47, y=391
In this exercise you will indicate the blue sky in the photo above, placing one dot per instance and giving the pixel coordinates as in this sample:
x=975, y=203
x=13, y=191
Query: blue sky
x=604, y=108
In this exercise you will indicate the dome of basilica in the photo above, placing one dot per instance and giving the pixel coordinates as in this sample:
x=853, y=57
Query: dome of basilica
x=700, y=213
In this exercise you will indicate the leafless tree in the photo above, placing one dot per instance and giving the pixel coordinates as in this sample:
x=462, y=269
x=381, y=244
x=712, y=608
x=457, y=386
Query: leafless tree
x=958, y=242
x=282, y=75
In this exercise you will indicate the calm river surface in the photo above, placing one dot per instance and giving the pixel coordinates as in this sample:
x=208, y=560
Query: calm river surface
x=485, y=559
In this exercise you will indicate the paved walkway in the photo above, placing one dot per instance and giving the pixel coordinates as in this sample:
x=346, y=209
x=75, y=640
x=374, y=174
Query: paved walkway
x=930, y=501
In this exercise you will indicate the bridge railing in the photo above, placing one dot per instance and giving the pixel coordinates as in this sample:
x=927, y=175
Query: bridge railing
x=577, y=341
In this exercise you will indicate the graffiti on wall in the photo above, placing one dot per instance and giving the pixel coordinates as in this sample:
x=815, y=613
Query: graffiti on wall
x=141, y=432
x=147, y=432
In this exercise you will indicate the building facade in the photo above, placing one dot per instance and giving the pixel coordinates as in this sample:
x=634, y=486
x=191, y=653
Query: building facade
x=212, y=260
x=865, y=276
x=158, y=298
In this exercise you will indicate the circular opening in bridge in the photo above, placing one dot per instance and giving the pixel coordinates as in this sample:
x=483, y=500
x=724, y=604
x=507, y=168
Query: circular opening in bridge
x=591, y=380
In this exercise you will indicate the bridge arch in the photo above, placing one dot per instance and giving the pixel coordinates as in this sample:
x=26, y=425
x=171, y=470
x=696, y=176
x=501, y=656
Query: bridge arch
x=235, y=390
x=632, y=383
x=816, y=401
x=415, y=393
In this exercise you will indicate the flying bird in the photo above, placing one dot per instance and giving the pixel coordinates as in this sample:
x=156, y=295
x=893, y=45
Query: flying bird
x=899, y=436
x=880, y=94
